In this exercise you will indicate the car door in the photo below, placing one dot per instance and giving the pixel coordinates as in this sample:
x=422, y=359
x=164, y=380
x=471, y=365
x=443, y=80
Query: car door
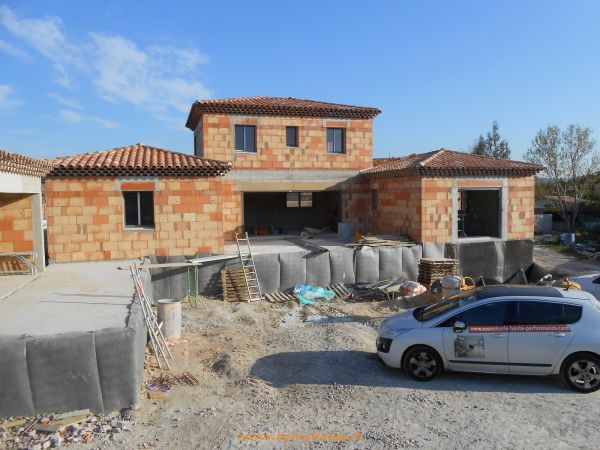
x=483, y=345
x=538, y=336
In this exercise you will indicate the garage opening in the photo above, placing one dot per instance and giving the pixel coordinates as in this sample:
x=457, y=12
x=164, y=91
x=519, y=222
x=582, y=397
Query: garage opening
x=283, y=213
x=479, y=213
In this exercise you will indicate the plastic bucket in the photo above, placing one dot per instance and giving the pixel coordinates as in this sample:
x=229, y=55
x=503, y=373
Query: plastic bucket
x=345, y=232
x=169, y=314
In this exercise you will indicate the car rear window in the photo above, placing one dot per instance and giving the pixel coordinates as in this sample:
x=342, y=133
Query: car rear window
x=571, y=313
x=546, y=313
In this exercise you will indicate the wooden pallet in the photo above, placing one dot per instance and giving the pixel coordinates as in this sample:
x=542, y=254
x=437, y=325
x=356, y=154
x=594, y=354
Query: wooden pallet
x=431, y=270
x=234, y=285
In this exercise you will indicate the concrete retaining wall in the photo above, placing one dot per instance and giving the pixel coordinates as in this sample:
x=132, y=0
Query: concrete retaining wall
x=101, y=370
x=494, y=260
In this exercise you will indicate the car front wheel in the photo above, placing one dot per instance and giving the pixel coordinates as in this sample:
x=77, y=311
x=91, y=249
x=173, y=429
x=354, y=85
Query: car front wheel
x=422, y=363
x=582, y=372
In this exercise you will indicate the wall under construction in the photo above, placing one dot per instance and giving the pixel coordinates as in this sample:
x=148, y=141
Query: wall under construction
x=494, y=260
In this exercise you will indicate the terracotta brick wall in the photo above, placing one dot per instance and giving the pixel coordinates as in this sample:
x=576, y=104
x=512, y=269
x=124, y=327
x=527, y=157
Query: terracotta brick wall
x=16, y=229
x=399, y=206
x=272, y=152
x=521, y=203
x=232, y=210
x=356, y=204
x=85, y=219
x=436, y=210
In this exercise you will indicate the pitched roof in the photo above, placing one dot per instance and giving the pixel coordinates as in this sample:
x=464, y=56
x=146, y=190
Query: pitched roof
x=277, y=106
x=138, y=159
x=444, y=162
x=23, y=165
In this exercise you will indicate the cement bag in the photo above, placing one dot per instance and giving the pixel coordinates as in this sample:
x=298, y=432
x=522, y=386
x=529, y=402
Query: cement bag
x=308, y=295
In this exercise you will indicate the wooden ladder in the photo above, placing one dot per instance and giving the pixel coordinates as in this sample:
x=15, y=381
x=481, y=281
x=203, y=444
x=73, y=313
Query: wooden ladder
x=248, y=268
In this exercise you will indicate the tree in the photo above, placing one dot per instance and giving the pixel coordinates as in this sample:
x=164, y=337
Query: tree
x=570, y=160
x=492, y=144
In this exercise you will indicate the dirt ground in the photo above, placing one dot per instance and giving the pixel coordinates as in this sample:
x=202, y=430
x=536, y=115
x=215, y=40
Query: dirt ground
x=278, y=371
x=561, y=264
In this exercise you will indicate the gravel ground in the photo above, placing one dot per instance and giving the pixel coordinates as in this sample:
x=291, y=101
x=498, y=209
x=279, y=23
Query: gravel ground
x=276, y=371
x=268, y=368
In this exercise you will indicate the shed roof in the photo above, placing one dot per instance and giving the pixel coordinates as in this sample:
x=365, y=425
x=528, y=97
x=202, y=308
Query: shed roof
x=444, y=163
x=23, y=165
x=137, y=159
x=277, y=106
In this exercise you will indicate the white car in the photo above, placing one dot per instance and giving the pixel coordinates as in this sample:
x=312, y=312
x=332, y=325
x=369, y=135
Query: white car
x=499, y=329
x=589, y=283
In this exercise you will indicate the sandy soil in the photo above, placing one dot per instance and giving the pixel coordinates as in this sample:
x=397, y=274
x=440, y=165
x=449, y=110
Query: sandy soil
x=276, y=368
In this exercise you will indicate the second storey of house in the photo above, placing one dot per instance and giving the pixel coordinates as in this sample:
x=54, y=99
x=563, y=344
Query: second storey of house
x=275, y=133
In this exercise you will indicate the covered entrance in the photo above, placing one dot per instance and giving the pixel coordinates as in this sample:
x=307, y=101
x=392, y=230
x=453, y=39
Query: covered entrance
x=284, y=213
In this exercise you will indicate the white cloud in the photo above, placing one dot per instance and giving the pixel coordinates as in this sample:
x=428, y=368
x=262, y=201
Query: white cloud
x=70, y=116
x=7, y=98
x=45, y=36
x=71, y=103
x=74, y=118
x=11, y=50
x=152, y=79
x=161, y=80
x=104, y=122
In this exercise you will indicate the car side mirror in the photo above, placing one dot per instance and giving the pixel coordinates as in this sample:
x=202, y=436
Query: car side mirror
x=459, y=326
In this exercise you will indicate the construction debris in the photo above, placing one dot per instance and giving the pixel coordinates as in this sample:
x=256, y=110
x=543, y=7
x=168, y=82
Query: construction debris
x=383, y=240
x=41, y=432
x=431, y=270
x=309, y=295
x=340, y=290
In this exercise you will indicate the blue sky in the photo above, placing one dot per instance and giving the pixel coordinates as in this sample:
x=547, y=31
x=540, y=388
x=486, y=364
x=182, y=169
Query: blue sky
x=85, y=76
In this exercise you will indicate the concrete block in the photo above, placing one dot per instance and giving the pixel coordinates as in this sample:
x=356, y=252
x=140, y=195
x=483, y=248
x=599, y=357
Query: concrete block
x=16, y=396
x=341, y=262
x=318, y=270
x=293, y=270
x=63, y=372
x=367, y=265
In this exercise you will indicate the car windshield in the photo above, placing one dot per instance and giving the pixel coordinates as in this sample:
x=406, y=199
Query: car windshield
x=425, y=313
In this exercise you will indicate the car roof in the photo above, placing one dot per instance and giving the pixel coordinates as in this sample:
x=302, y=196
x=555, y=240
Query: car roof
x=549, y=293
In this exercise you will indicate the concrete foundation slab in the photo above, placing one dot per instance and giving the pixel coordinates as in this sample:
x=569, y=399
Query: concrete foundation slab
x=71, y=339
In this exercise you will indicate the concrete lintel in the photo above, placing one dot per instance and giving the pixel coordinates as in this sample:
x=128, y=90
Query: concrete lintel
x=12, y=183
x=338, y=176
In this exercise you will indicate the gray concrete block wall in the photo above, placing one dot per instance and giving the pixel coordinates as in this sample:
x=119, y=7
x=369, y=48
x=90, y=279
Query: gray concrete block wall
x=100, y=370
x=281, y=271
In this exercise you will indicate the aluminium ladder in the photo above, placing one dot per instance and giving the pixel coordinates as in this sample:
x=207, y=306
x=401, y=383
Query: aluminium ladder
x=248, y=268
x=157, y=339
